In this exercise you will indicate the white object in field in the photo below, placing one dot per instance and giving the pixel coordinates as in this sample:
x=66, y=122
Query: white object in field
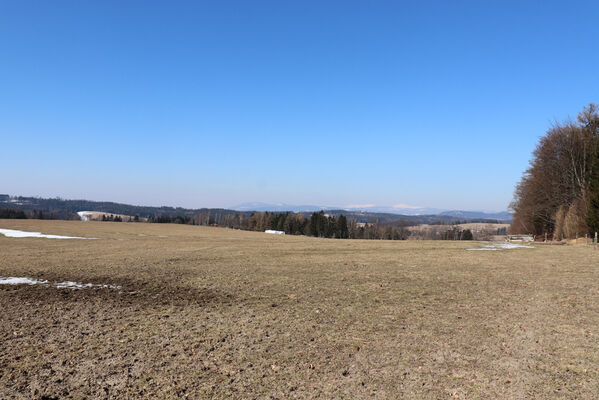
x=274, y=232
x=77, y=285
x=503, y=246
x=21, y=280
x=21, y=234
x=13, y=280
x=85, y=215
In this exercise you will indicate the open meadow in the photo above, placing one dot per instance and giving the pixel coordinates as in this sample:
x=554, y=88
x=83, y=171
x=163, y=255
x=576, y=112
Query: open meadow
x=203, y=312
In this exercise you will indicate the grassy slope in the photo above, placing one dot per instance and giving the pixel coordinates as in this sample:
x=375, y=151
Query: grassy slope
x=222, y=313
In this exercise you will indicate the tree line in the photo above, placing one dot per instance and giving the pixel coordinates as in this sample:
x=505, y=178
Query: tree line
x=559, y=192
x=13, y=213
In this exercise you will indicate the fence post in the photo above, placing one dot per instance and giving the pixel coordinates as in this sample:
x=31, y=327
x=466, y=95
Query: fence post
x=586, y=239
x=545, y=237
x=595, y=240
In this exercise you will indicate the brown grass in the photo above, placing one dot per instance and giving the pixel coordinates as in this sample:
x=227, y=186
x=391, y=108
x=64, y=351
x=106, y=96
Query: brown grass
x=220, y=313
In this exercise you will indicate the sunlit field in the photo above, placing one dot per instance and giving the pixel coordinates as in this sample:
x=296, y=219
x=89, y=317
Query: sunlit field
x=175, y=311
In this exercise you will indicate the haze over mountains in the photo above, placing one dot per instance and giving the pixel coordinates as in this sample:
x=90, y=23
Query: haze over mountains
x=400, y=209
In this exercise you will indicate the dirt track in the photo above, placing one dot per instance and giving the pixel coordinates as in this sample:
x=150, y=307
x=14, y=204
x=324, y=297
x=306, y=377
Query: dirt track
x=215, y=313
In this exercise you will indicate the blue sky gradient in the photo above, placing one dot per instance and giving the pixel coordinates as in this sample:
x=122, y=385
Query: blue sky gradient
x=211, y=104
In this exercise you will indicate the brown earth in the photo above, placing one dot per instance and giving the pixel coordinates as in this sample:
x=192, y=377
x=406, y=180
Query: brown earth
x=215, y=313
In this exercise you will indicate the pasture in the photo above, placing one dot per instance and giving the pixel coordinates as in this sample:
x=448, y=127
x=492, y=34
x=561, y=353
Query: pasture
x=200, y=312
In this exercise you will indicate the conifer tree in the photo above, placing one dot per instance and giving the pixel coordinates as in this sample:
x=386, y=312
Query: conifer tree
x=314, y=224
x=321, y=224
x=342, y=231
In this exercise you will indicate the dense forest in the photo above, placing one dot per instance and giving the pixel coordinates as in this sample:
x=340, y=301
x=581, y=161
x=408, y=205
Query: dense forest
x=559, y=193
x=12, y=213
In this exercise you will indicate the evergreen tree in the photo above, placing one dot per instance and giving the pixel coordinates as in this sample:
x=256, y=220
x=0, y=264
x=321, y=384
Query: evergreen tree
x=321, y=224
x=314, y=224
x=288, y=225
x=330, y=225
x=342, y=231
x=281, y=222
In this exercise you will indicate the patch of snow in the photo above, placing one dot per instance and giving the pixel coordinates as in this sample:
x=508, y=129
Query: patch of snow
x=77, y=285
x=503, y=246
x=274, y=232
x=13, y=280
x=21, y=234
x=72, y=285
x=85, y=215
x=514, y=246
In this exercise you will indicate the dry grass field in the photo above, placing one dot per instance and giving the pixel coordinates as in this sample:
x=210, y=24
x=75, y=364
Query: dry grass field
x=215, y=313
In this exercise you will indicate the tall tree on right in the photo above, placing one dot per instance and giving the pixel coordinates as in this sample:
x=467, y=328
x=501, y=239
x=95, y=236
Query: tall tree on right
x=589, y=119
x=593, y=207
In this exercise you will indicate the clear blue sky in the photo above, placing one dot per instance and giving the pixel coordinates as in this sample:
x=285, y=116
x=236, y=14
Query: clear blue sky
x=435, y=104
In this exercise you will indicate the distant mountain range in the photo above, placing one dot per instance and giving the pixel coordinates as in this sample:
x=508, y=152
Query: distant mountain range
x=398, y=210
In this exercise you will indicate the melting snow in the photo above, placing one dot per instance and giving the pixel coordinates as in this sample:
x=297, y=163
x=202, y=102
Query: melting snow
x=20, y=281
x=77, y=285
x=13, y=280
x=274, y=232
x=503, y=246
x=85, y=215
x=21, y=234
